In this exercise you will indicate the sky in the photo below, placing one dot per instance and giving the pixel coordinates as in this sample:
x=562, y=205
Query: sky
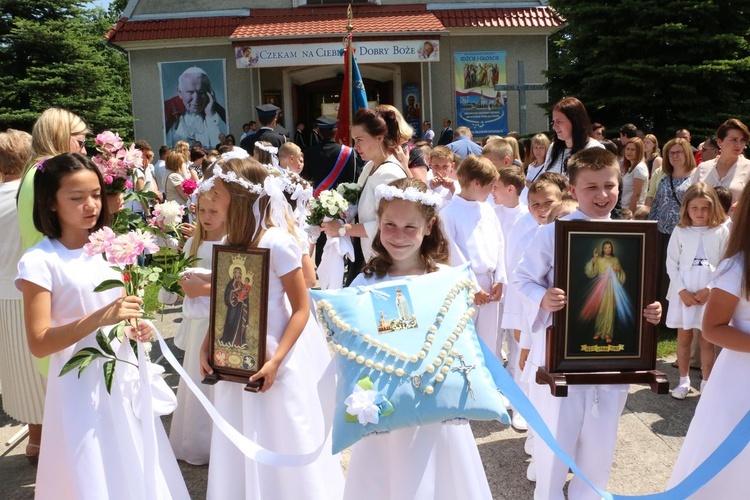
x=101, y=3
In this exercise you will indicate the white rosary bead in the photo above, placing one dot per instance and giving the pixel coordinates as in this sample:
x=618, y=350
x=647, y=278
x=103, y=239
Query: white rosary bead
x=445, y=370
x=429, y=390
x=399, y=372
x=378, y=366
x=388, y=369
x=430, y=337
x=439, y=377
x=429, y=369
x=352, y=355
x=369, y=363
x=360, y=359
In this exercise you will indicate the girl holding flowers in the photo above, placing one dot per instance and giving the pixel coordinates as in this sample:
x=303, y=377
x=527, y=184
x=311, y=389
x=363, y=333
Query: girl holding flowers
x=93, y=441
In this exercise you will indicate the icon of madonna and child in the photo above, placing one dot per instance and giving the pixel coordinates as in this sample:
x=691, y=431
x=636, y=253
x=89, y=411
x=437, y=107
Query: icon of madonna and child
x=237, y=302
x=606, y=314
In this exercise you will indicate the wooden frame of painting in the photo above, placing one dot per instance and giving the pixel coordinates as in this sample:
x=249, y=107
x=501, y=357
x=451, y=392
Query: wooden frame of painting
x=608, y=271
x=237, y=327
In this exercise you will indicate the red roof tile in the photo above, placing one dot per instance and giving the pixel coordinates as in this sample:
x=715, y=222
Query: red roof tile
x=527, y=17
x=194, y=27
x=329, y=20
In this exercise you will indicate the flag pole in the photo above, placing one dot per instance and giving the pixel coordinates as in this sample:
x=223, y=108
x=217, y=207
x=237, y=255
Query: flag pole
x=350, y=49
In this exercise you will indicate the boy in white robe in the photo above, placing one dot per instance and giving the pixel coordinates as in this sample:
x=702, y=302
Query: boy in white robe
x=585, y=422
x=474, y=235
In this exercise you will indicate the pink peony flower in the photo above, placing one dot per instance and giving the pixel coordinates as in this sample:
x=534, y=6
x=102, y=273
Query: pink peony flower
x=109, y=140
x=99, y=241
x=126, y=248
x=109, y=179
x=128, y=184
x=189, y=186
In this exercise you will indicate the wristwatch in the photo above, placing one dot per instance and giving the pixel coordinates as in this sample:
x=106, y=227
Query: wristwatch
x=342, y=230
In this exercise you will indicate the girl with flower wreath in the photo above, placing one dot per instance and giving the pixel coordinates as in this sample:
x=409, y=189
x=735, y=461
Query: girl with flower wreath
x=93, y=441
x=430, y=462
x=286, y=415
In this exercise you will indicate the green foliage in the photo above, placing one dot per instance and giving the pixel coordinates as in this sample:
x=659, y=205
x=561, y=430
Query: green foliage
x=661, y=65
x=53, y=53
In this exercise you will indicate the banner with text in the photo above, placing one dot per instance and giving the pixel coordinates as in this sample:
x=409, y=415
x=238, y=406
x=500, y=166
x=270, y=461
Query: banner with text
x=318, y=54
x=478, y=105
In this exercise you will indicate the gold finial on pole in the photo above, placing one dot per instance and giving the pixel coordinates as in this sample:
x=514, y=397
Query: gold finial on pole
x=350, y=18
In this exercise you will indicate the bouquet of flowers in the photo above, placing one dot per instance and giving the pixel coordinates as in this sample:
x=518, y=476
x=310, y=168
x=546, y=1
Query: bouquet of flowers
x=327, y=206
x=350, y=191
x=115, y=162
x=166, y=218
x=122, y=251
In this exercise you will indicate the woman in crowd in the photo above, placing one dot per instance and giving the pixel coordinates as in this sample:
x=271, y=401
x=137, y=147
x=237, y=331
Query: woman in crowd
x=23, y=385
x=377, y=139
x=55, y=132
x=539, y=146
x=572, y=127
x=730, y=169
x=634, y=175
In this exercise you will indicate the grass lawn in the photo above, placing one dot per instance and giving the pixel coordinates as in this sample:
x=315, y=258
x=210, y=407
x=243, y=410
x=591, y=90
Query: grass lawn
x=666, y=341
x=150, y=303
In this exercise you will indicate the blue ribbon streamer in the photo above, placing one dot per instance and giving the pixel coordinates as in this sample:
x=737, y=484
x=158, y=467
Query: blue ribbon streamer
x=732, y=446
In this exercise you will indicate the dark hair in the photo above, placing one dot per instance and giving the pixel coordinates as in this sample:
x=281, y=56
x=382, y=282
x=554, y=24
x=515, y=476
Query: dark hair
x=47, y=182
x=559, y=179
x=196, y=154
x=732, y=124
x=164, y=150
x=724, y=196
x=607, y=242
x=610, y=146
x=230, y=137
x=575, y=111
x=142, y=145
x=629, y=130
x=596, y=126
x=377, y=123
x=434, y=249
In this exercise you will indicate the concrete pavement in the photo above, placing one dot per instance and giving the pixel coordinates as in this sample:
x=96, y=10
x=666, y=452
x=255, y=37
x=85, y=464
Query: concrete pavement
x=651, y=432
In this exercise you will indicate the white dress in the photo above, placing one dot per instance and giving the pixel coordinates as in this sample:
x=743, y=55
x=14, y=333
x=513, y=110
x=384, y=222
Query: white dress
x=23, y=385
x=190, y=432
x=429, y=462
x=723, y=403
x=92, y=440
x=703, y=248
x=285, y=419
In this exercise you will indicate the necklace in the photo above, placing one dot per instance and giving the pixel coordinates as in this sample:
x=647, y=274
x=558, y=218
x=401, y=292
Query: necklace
x=404, y=364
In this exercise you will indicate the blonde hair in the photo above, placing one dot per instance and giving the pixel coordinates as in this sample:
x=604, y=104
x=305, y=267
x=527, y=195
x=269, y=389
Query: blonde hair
x=441, y=152
x=15, y=151
x=476, y=168
x=288, y=149
x=52, y=132
x=655, y=153
x=405, y=130
x=174, y=162
x=183, y=148
x=502, y=148
x=702, y=191
x=538, y=139
x=514, y=144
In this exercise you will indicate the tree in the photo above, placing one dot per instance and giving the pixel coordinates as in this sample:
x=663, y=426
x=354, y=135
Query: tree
x=661, y=65
x=53, y=53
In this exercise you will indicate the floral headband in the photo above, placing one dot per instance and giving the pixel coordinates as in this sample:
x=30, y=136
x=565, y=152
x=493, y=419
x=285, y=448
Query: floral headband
x=387, y=192
x=267, y=149
x=273, y=188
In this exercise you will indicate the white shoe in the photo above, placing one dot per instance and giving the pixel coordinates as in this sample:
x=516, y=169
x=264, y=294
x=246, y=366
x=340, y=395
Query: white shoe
x=681, y=391
x=531, y=472
x=528, y=445
x=518, y=422
x=505, y=401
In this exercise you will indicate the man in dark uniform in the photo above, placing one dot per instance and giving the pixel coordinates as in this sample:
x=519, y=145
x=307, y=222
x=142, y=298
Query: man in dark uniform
x=267, y=115
x=446, y=135
x=328, y=164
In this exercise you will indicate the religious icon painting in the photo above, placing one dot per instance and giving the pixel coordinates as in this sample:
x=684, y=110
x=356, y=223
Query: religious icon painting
x=394, y=310
x=239, y=300
x=608, y=271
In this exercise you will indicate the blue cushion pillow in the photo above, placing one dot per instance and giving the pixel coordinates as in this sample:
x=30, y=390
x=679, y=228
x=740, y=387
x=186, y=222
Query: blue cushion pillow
x=407, y=354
